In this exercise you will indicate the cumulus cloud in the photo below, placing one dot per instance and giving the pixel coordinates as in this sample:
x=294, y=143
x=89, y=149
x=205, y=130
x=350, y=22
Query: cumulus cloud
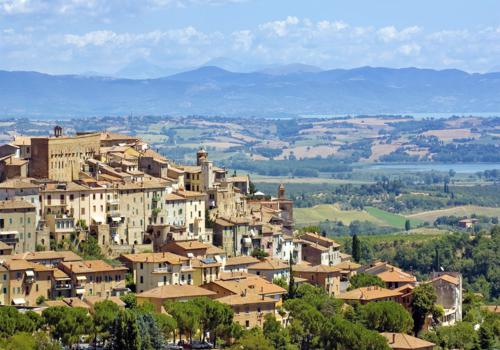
x=327, y=42
x=390, y=33
x=280, y=28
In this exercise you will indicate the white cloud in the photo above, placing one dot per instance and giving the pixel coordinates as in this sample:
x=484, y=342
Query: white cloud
x=280, y=28
x=12, y=7
x=243, y=40
x=328, y=43
x=390, y=33
x=409, y=49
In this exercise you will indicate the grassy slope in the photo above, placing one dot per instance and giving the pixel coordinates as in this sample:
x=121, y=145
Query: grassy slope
x=331, y=212
x=391, y=219
x=415, y=235
x=465, y=210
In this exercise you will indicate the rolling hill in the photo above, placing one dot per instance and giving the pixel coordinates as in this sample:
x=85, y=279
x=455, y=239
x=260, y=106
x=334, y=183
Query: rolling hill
x=272, y=93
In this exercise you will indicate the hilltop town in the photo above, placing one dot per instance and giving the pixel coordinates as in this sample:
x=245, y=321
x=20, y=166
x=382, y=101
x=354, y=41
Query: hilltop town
x=101, y=216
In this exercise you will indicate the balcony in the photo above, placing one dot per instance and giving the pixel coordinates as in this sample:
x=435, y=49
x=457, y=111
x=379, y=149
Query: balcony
x=113, y=201
x=186, y=268
x=63, y=286
x=9, y=237
x=160, y=270
x=29, y=276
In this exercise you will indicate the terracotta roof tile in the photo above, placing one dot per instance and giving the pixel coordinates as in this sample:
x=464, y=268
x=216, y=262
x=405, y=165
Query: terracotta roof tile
x=175, y=292
x=405, y=341
x=369, y=294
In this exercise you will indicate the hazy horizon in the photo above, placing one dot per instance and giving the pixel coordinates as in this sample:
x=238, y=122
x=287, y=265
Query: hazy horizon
x=161, y=37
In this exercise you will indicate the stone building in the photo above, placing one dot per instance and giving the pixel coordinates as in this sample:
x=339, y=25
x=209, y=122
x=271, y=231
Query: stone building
x=27, y=282
x=18, y=225
x=62, y=158
x=95, y=277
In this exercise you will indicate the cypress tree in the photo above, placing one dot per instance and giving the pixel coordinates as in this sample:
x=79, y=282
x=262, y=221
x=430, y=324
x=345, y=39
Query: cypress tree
x=356, y=248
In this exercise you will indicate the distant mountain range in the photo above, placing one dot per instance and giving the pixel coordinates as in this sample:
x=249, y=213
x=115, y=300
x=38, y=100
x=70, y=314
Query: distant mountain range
x=271, y=91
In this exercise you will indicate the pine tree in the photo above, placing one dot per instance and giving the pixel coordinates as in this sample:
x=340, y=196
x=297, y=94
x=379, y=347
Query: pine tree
x=407, y=225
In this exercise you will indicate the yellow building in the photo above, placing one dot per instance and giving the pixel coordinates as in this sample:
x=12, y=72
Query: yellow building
x=246, y=285
x=327, y=277
x=151, y=270
x=95, y=277
x=27, y=282
x=159, y=295
x=250, y=310
x=4, y=286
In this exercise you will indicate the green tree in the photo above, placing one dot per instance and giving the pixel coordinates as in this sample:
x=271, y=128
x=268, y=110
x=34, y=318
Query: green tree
x=89, y=249
x=365, y=280
x=251, y=188
x=44, y=342
x=459, y=336
x=167, y=325
x=104, y=318
x=259, y=253
x=486, y=336
x=338, y=333
x=275, y=333
x=215, y=317
x=385, y=316
x=291, y=280
x=310, y=318
x=67, y=324
x=130, y=300
x=407, y=225
x=12, y=322
x=424, y=299
x=356, y=248
x=19, y=341
x=125, y=333
x=187, y=315
x=253, y=340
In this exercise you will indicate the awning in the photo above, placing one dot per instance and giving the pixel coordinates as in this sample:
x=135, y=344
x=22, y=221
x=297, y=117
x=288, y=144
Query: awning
x=81, y=278
x=218, y=258
x=80, y=291
x=190, y=255
x=8, y=233
x=18, y=301
x=116, y=219
x=98, y=218
x=30, y=273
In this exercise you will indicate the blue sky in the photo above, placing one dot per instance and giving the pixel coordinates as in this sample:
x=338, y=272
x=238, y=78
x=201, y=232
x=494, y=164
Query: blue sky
x=75, y=36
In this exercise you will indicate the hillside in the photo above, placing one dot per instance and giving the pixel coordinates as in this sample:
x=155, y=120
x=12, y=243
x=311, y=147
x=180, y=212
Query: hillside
x=215, y=91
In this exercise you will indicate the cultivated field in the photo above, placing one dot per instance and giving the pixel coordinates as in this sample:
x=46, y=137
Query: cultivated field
x=331, y=212
x=394, y=220
x=465, y=210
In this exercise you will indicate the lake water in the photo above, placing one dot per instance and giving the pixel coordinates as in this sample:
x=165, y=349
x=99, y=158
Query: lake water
x=464, y=168
x=435, y=115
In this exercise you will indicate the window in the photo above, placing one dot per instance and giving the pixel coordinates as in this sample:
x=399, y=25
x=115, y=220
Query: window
x=2, y=224
x=142, y=279
x=247, y=323
x=142, y=266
